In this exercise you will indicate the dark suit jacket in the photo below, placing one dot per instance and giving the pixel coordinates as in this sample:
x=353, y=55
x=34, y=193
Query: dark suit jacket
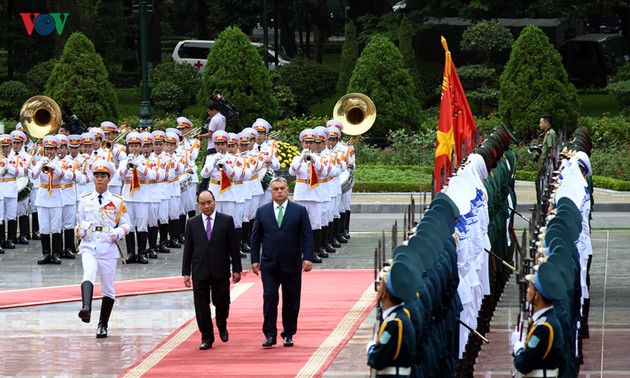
x=282, y=247
x=211, y=259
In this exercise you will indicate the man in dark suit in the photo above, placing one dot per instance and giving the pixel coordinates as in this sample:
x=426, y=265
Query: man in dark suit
x=211, y=243
x=284, y=231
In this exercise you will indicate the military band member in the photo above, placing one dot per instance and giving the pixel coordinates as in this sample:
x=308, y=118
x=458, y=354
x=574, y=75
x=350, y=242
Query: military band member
x=152, y=192
x=69, y=195
x=269, y=149
x=163, y=188
x=25, y=160
x=102, y=221
x=253, y=187
x=115, y=155
x=84, y=162
x=350, y=165
x=239, y=188
x=331, y=171
x=10, y=169
x=308, y=193
x=49, y=200
x=136, y=174
x=36, y=151
x=222, y=171
x=175, y=170
x=339, y=153
x=99, y=135
x=190, y=150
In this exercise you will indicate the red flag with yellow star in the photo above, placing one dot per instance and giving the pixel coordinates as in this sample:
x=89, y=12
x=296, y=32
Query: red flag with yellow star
x=456, y=125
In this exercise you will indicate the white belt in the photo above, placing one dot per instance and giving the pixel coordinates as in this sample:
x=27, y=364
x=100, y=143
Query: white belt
x=549, y=373
x=394, y=370
x=106, y=229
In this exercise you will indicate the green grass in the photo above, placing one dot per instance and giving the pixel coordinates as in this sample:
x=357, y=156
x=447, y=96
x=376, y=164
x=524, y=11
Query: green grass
x=324, y=108
x=332, y=62
x=598, y=104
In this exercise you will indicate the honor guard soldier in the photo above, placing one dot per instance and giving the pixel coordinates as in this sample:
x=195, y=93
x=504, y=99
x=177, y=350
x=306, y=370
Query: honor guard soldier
x=392, y=351
x=190, y=150
x=25, y=160
x=152, y=192
x=115, y=154
x=269, y=149
x=102, y=221
x=220, y=168
x=10, y=170
x=163, y=189
x=175, y=169
x=308, y=193
x=542, y=353
x=253, y=188
x=49, y=200
x=136, y=174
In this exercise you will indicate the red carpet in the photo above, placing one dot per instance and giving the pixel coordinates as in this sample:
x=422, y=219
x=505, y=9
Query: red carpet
x=334, y=303
x=71, y=293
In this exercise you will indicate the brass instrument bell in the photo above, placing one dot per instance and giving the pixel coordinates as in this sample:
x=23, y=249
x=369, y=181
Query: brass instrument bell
x=356, y=112
x=40, y=116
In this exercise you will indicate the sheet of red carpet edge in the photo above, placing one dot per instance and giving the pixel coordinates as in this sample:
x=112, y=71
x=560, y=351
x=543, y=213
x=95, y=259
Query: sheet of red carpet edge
x=72, y=293
x=327, y=296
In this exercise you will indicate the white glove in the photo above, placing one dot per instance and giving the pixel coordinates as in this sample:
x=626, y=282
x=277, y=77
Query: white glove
x=113, y=234
x=518, y=347
x=369, y=346
x=80, y=232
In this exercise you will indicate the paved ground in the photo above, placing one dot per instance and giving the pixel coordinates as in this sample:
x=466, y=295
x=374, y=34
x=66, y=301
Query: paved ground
x=51, y=341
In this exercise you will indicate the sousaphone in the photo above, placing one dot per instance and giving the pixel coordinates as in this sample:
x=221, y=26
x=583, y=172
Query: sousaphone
x=40, y=116
x=357, y=114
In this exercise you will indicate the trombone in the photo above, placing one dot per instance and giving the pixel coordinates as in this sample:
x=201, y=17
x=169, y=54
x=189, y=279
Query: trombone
x=109, y=144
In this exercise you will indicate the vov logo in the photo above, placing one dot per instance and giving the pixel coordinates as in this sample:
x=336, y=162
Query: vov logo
x=44, y=23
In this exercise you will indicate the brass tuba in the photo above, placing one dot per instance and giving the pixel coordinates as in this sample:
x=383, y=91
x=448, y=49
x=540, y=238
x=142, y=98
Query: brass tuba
x=40, y=116
x=356, y=112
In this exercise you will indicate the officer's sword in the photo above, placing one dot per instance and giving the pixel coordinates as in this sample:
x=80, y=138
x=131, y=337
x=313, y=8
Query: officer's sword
x=122, y=257
x=500, y=259
x=474, y=331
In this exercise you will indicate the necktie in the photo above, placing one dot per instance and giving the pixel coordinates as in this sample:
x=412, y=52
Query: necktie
x=100, y=199
x=209, y=227
x=280, y=215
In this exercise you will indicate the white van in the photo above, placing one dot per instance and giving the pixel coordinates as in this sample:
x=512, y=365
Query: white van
x=195, y=52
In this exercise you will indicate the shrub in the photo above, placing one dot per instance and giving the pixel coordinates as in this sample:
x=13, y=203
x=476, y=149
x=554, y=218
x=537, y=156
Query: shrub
x=349, y=56
x=381, y=75
x=183, y=76
x=534, y=83
x=237, y=71
x=79, y=80
x=485, y=37
x=12, y=95
x=405, y=44
x=289, y=129
x=621, y=91
x=607, y=131
x=168, y=97
x=37, y=77
x=309, y=81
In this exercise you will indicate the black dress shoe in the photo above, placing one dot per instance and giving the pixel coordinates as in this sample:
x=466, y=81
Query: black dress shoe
x=131, y=258
x=173, y=243
x=329, y=248
x=85, y=314
x=37, y=235
x=288, y=341
x=246, y=248
x=346, y=234
x=243, y=255
x=205, y=345
x=323, y=254
x=101, y=331
x=341, y=239
x=67, y=253
x=163, y=248
x=8, y=244
x=142, y=258
x=316, y=259
x=55, y=258
x=224, y=335
x=22, y=240
x=269, y=341
x=335, y=243
x=45, y=260
x=152, y=254
x=1, y=251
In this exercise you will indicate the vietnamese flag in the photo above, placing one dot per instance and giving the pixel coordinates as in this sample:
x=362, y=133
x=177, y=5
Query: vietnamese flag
x=456, y=125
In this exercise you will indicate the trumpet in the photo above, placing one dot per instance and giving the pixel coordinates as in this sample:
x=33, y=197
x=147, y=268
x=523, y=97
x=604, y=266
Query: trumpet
x=307, y=156
x=46, y=166
x=131, y=161
x=221, y=164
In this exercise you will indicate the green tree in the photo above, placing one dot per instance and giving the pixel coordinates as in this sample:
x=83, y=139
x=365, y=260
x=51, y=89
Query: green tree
x=236, y=70
x=405, y=44
x=381, y=75
x=485, y=37
x=182, y=76
x=534, y=83
x=79, y=80
x=349, y=56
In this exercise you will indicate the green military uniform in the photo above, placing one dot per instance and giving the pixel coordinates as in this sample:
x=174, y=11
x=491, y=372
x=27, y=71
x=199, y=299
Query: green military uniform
x=393, y=353
x=549, y=141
